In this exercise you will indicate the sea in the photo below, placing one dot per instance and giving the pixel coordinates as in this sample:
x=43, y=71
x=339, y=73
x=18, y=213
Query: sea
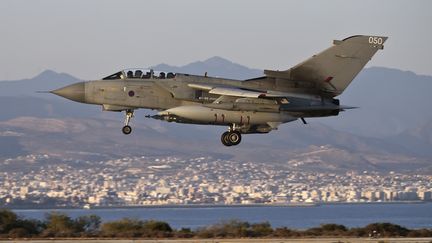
x=410, y=215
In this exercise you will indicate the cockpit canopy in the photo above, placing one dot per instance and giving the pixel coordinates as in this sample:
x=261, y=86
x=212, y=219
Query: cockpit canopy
x=137, y=73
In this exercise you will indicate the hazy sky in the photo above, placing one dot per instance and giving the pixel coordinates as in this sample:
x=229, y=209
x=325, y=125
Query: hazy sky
x=93, y=38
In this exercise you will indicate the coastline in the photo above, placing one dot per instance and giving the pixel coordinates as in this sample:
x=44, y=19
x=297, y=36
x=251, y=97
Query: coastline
x=318, y=204
x=414, y=215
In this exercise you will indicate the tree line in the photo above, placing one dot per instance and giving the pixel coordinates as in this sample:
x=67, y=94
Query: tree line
x=59, y=225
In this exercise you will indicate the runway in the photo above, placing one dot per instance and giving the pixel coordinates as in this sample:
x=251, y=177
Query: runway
x=300, y=240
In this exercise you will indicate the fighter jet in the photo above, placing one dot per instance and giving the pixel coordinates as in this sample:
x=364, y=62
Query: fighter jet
x=257, y=105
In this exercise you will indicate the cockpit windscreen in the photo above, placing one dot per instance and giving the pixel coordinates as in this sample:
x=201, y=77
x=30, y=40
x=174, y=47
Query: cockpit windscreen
x=140, y=74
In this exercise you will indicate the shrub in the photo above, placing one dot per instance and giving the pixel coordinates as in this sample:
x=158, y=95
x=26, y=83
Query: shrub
x=60, y=225
x=136, y=228
x=14, y=227
x=235, y=229
x=89, y=225
x=387, y=229
x=185, y=233
x=420, y=233
x=261, y=229
x=7, y=221
x=284, y=232
x=122, y=228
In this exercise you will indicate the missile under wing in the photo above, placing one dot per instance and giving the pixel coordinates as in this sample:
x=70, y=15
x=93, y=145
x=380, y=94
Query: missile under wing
x=256, y=105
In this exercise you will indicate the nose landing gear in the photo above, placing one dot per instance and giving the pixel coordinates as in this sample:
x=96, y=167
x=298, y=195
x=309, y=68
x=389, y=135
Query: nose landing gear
x=128, y=129
x=231, y=137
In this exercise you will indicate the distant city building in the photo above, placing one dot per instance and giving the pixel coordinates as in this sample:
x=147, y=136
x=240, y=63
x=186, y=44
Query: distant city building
x=204, y=180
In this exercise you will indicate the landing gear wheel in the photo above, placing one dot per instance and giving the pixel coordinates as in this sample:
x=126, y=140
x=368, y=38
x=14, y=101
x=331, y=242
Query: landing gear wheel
x=234, y=138
x=224, y=139
x=231, y=138
x=127, y=129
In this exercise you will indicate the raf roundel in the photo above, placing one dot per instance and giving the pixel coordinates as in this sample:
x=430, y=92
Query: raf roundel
x=131, y=93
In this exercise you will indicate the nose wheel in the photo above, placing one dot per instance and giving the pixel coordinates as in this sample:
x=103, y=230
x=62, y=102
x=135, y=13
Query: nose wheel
x=231, y=138
x=128, y=129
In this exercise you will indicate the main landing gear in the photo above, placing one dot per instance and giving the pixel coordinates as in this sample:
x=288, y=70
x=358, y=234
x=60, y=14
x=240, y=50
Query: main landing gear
x=231, y=137
x=128, y=129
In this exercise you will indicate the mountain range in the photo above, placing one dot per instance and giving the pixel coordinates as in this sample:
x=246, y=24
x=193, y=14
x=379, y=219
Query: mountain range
x=392, y=129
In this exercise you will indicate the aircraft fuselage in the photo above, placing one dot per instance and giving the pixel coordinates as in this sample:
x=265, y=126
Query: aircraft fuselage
x=257, y=105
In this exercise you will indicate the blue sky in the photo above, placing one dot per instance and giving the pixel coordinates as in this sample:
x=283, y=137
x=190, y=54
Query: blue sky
x=90, y=39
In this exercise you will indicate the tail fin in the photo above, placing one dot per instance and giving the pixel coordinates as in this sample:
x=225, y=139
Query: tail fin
x=333, y=69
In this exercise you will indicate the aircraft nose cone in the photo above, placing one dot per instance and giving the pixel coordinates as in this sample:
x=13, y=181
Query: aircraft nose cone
x=75, y=92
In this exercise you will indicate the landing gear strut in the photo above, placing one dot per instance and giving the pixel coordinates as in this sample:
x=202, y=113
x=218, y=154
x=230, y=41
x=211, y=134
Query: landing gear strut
x=231, y=138
x=128, y=129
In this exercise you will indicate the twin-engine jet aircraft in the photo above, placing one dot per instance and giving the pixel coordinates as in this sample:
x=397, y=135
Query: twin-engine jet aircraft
x=257, y=105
